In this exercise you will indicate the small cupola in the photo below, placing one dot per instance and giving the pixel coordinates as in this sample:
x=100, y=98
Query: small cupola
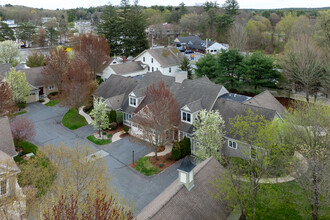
x=186, y=173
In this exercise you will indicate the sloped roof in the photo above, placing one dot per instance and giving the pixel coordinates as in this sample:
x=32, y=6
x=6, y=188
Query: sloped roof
x=195, y=106
x=7, y=163
x=168, y=56
x=126, y=68
x=185, y=40
x=267, y=100
x=4, y=68
x=34, y=76
x=116, y=101
x=116, y=85
x=229, y=109
x=6, y=138
x=177, y=203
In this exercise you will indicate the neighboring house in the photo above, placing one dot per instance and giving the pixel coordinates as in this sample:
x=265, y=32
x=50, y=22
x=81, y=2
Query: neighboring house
x=38, y=88
x=216, y=48
x=12, y=199
x=177, y=202
x=196, y=44
x=166, y=60
x=125, y=69
x=127, y=94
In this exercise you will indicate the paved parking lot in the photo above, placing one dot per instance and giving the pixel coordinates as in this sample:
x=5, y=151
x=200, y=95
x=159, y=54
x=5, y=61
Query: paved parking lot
x=130, y=183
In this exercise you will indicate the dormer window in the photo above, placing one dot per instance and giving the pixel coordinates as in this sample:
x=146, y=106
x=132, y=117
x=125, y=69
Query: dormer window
x=144, y=59
x=186, y=117
x=232, y=144
x=132, y=101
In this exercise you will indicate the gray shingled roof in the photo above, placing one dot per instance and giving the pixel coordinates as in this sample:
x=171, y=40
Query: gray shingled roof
x=6, y=138
x=195, y=106
x=126, y=68
x=229, y=109
x=168, y=56
x=116, y=85
x=185, y=40
x=199, y=89
x=177, y=203
x=186, y=165
x=34, y=76
x=116, y=101
x=267, y=100
x=8, y=164
x=4, y=68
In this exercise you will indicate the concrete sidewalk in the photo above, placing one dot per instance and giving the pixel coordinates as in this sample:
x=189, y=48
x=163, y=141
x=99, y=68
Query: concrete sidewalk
x=168, y=149
x=86, y=116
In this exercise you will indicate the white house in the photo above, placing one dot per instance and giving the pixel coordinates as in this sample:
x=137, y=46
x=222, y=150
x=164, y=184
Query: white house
x=216, y=48
x=166, y=60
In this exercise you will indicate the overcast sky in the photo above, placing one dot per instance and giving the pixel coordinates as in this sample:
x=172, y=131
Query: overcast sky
x=257, y=4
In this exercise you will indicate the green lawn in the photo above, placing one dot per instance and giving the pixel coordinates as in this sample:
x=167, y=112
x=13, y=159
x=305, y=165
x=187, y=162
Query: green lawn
x=144, y=166
x=17, y=113
x=27, y=148
x=73, y=120
x=52, y=102
x=99, y=141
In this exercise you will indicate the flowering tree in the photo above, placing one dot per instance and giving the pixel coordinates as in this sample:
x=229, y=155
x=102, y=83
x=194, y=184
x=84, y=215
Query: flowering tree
x=99, y=114
x=157, y=118
x=22, y=129
x=209, y=130
x=9, y=52
x=18, y=85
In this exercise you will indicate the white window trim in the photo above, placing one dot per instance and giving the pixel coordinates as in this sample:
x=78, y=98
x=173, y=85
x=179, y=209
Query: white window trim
x=128, y=116
x=129, y=102
x=233, y=142
x=191, y=119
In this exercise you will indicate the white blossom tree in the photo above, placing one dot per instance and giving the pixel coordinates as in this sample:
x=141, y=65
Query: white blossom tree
x=9, y=52
x=100, y=117
x=18, y=84
x=209, y=130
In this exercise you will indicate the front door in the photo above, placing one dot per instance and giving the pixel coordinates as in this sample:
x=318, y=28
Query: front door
x=41, y=91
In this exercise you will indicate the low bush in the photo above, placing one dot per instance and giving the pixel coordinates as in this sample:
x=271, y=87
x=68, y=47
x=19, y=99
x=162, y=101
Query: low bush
x=41, y=100
x=88, y=109
x=113, y=125
x=53, y=93
x=99, y=81
x=161, y=165
x=125, y=129
x=21, y=105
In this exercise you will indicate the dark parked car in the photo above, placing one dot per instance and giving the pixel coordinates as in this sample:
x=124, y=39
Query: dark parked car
x=188, y=51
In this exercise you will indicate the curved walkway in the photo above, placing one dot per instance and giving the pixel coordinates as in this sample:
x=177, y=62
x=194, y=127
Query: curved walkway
x=46, y=100
x=86, y=116
x=116, y=137
x=303, y=166
x=168, y=149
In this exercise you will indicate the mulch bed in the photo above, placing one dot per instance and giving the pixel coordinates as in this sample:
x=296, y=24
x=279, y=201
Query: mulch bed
x=160, y=149
x=160, y=160
x=124, y=135
x=118, y=129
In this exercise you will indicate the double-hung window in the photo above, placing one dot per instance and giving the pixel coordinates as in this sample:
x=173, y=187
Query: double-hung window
x=186, y=117
x=152, y=60
x=127, y=116
x=132, y=101
x=51, y=87
x=232, y=144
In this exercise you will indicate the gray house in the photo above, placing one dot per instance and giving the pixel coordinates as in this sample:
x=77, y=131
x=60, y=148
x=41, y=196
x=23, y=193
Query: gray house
x=126, y=94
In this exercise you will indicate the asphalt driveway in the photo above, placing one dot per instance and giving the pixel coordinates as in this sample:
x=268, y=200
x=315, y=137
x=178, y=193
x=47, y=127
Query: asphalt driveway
x=130, y=183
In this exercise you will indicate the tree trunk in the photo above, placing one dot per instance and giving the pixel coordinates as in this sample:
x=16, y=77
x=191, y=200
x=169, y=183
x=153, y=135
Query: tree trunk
x=156, y=154
x=307, y=95
x=315, y=205
x=255, y=191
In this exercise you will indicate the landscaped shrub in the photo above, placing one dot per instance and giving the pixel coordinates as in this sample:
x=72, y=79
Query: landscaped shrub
x=120, y=116
x=113, y=125
x=113, y=116
x=161, y=165
x=185, y=147
x=88, y=109
x=41, y=100
x=176, y=151
x=21, y=105
x=100, y=80
x=181, y=149
x=53, y=93
x=125, y=129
